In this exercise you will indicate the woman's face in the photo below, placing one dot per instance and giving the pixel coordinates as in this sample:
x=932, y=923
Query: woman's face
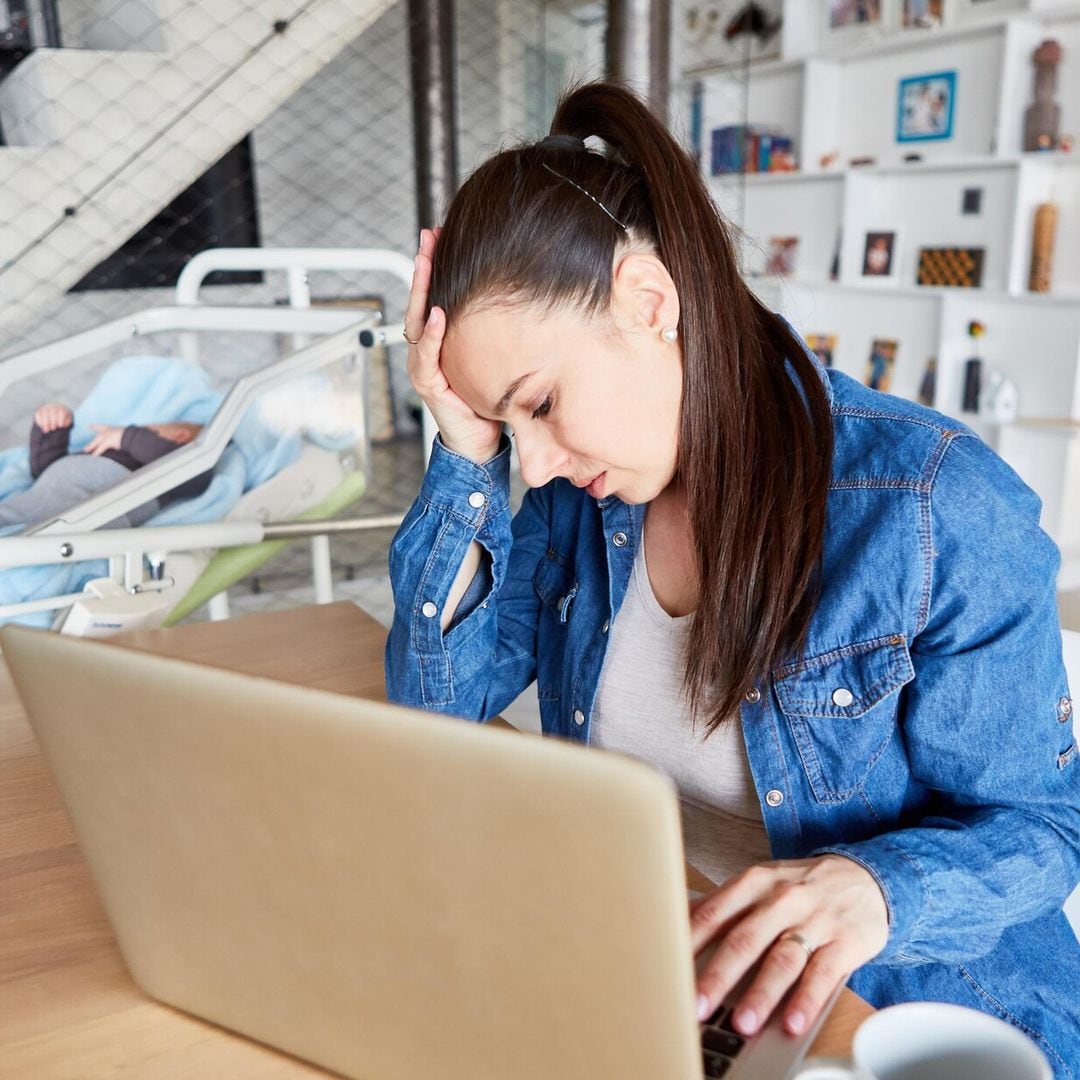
x=595, y=402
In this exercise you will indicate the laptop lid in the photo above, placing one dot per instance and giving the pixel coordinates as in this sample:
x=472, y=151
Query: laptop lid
x=384, y=892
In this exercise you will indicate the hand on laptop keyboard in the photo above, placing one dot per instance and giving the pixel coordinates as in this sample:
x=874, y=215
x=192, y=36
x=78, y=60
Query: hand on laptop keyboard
x=805, y=923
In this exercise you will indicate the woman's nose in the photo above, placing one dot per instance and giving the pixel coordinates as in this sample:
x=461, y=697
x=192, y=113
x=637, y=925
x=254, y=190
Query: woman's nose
x=540, y=458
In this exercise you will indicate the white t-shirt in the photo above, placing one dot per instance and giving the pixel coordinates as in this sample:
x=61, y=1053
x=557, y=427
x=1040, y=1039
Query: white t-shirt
x=641, y=709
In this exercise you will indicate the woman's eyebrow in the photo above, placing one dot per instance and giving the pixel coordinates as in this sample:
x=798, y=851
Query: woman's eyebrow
x=511, y=390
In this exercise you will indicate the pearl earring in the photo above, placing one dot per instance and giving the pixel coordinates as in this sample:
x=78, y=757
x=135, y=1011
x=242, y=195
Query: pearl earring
x=669, y=333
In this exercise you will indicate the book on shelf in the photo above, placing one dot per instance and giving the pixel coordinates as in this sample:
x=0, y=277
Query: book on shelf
x=750, y=148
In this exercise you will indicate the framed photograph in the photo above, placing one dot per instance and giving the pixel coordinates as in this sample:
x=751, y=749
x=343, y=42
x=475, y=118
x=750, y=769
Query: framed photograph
x=850, y=23
x=922, y=14
x=961, y=268
x=879, y=368
x=782, y=255
x=847, y=13
x=925, y=107
x=879, y=255
x=822, y=346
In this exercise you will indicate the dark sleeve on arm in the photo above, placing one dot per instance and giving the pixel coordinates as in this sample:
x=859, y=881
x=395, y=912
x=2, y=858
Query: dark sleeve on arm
x=145, y=445
x=189, y=489
x=47, y=447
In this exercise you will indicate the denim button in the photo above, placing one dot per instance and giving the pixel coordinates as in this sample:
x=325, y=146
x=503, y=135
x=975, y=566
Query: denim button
x=1065, y=708
x=429, y=610
x=477, y=499
x=842, y=697
x=579, y=717
x=604, y=628
x=753, y=695
x=774, y=797
x=619, y=539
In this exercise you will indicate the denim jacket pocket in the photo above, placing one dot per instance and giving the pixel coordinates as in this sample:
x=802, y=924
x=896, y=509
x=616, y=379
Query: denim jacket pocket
x=555, y=585
x=841, y=707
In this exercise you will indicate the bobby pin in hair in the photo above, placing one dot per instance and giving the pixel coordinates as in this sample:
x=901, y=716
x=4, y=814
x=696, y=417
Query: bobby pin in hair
x=584, y=192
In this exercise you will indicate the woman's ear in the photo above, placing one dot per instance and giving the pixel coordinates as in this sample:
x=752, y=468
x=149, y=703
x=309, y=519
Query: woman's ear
x=643, y=296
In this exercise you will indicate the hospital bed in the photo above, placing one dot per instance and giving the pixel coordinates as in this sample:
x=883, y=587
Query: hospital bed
x=118, y=578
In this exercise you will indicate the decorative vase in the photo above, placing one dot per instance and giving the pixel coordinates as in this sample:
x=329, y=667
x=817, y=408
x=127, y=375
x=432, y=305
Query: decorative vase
x=1042, y=247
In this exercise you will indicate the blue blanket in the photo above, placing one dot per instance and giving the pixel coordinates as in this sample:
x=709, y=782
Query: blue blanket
x=145, y=390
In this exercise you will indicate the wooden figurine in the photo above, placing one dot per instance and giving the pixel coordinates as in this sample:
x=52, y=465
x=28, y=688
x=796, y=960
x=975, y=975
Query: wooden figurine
x=1043, y=118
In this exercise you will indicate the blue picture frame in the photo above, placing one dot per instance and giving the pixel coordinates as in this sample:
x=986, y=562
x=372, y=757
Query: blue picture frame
x=925, y=107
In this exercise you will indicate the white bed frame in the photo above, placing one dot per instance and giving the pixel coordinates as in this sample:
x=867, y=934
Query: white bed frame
x=77, y=536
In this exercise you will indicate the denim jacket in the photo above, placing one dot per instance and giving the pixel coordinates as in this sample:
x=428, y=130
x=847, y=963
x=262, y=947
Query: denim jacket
x=925, y=732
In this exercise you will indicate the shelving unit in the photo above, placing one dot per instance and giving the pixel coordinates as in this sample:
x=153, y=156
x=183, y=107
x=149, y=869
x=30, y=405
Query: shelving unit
x=838, y=94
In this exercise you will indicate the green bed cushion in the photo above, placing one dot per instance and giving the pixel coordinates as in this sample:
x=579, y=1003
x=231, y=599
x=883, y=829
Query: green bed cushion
x=230, y=565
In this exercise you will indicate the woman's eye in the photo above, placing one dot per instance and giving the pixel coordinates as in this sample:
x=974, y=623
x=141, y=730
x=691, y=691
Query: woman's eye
x=542, y=409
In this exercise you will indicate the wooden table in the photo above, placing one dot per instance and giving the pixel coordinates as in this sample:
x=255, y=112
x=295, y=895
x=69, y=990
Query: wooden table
x=68, y=1009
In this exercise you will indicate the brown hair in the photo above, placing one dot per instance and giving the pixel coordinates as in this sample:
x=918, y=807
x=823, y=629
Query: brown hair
x=755, y=444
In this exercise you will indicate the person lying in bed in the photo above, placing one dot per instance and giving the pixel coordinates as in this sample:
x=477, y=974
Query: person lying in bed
x=63, y=479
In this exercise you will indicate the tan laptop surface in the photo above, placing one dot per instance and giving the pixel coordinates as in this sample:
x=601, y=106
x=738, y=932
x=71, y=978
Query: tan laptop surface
x=384, y=892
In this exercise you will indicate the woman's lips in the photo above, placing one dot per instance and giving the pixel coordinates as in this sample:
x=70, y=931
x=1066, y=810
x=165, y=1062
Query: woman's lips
x=594, y=487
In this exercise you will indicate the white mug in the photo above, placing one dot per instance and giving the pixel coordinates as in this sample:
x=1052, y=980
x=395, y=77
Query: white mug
x=931, y=1041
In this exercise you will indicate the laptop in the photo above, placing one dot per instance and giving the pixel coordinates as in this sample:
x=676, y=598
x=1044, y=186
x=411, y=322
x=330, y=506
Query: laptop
x=384, y=892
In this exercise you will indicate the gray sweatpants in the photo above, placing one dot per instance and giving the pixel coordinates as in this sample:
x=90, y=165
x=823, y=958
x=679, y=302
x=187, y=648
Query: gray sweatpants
x=64, y=484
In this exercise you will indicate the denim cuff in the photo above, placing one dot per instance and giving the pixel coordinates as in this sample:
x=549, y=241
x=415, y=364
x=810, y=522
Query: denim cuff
x=902, y=883
x=458, y=486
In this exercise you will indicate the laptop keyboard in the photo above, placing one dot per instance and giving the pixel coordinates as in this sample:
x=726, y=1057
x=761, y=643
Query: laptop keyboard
x=720, y=1043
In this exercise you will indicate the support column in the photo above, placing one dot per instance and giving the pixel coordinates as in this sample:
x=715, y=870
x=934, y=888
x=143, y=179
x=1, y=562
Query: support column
x=639, y=48
x=434, y=107
x=434, y=101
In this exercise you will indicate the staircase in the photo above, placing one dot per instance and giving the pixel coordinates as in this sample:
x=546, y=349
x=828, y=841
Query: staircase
x=101, y=140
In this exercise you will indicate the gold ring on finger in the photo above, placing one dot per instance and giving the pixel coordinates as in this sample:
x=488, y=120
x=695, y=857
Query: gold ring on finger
x=405, y=335
x=797, y=937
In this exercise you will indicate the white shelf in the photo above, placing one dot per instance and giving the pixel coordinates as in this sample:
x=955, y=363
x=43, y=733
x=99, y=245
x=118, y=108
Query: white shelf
x=845, y=102
x=756, y=69
x=909, y=40
x=960, y=164
x=886, y=43
x=798, y=176
x=1056, y=427
x=914, y=168
x=887, y=292
x=1066, y=429
x=1052, y=157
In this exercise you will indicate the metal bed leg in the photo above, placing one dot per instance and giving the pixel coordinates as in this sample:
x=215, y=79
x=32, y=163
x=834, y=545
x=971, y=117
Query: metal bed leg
x=320, y=569
x=219, y=607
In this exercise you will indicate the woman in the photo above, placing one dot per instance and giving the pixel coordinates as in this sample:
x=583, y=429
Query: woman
x=827, y=613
